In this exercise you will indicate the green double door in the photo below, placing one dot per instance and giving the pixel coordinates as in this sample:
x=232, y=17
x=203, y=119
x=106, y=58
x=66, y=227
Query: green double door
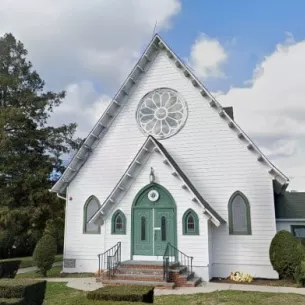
x=153, y=228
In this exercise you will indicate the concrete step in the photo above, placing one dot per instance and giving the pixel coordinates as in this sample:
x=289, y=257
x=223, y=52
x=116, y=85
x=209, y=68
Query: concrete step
x=193, y=283
x=180, y=269
x=158, y=284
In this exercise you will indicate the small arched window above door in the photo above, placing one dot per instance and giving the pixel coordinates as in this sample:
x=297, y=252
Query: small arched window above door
x=118, y=223
x=190, y=223
x=239, y=215
x=91, y=206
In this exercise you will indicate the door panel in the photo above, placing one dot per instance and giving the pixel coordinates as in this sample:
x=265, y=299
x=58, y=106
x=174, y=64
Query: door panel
x=164, y=222
x=143, y=232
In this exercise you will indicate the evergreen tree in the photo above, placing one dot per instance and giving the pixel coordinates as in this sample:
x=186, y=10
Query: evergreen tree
x=29, y=150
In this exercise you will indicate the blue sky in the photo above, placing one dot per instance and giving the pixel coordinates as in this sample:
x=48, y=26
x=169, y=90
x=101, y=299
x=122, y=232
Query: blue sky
x=256, y=26
x=89, y=47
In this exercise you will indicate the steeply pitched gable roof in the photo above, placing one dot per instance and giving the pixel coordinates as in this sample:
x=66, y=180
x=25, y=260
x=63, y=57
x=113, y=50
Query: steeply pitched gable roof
x=121, y=97
x=290, y=205
x=150, y=146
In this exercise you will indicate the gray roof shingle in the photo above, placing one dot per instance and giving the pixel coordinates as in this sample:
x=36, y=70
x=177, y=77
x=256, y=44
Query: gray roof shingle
x=290, y=205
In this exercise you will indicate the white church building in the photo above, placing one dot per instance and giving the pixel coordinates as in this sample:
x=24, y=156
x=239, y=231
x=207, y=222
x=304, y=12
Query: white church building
x=167, y=178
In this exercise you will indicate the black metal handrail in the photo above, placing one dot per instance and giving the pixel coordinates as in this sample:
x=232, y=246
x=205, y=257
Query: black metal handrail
x=110, y=260
x=173, y=256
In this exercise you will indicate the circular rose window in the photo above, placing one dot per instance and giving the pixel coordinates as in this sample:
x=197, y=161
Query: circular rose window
x=161, y=113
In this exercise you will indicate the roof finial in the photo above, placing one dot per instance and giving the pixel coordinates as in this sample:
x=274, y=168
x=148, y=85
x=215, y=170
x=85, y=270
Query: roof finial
x=151, y=176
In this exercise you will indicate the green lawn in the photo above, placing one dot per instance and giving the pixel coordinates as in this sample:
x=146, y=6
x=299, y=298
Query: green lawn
x=59, y=294
x=28, y=261
x=53, y=272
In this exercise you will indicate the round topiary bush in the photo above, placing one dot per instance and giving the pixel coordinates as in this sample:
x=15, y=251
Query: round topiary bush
x=44, y=253
x=286, y=253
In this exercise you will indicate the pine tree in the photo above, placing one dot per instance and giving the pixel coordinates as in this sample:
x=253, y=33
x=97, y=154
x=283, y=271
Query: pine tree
x=29, y=150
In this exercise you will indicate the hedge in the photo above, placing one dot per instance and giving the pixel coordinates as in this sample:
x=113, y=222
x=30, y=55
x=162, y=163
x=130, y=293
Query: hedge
x=9, y=269
x=143, y=294
x=12, y=302
x=28, y=261
x=300, y=274
x=286, y=253
x=44, y=253
x=33, y=292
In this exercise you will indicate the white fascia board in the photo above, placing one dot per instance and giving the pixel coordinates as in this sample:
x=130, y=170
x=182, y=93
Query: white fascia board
x=290, y=219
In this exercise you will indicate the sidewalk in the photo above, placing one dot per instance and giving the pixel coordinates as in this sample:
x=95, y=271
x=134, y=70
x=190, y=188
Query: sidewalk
x=89, y=284
x=210, y=287
x=85, y=283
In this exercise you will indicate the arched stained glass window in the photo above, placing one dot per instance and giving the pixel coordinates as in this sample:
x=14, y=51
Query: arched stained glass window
x=91, y=206
x=190, y=223
x=118, y=223
x=239, y=215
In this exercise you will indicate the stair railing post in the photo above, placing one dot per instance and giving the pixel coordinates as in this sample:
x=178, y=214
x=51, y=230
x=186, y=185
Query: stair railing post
x=99, y=265
x=167, y=268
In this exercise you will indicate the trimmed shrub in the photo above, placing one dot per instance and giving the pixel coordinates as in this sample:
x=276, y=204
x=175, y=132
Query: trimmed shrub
x=9, y=269
x=12, y=302
x=44, y=253
x=300, y=274
x=143, y=294
x=31, y=291
x=286, y=253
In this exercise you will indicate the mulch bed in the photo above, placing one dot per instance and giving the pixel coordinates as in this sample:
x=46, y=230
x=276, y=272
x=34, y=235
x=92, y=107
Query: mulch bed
x=258, y=281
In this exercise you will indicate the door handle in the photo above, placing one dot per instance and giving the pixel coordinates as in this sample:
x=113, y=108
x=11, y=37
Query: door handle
x=155, y=235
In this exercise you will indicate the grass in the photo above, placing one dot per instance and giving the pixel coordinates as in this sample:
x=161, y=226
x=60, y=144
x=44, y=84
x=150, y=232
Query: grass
x=28, y=261
x=59, y=294
x=262, y=282
x=53, y=272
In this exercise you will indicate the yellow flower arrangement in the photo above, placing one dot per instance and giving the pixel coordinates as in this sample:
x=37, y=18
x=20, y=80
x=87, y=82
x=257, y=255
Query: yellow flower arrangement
x=241, y=277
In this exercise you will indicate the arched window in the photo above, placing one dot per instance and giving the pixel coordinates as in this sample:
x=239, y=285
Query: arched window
x=190, y=223
x=118, y=223
x=239, y=215
x=91, y=206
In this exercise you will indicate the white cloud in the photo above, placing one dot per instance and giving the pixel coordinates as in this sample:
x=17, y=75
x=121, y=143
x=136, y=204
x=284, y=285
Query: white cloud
x=272, y=108
x=83, y=104
x=87, y=47
x=207, y=57
x=72, y=40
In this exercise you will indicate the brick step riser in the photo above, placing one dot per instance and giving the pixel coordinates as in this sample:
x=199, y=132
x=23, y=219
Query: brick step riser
x=127, y=284
x=98, y=280
x=156, y=267
x=145, y=279
x=130, y=271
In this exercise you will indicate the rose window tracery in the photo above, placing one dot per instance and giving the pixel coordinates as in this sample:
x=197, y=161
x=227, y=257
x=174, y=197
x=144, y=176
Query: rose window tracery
x=162, y=113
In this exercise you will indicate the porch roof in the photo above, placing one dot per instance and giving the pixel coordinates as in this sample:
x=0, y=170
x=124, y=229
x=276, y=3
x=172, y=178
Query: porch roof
x=152, y=145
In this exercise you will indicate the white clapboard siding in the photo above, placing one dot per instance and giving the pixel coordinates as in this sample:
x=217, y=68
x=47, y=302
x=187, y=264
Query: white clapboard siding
x=217, y=162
